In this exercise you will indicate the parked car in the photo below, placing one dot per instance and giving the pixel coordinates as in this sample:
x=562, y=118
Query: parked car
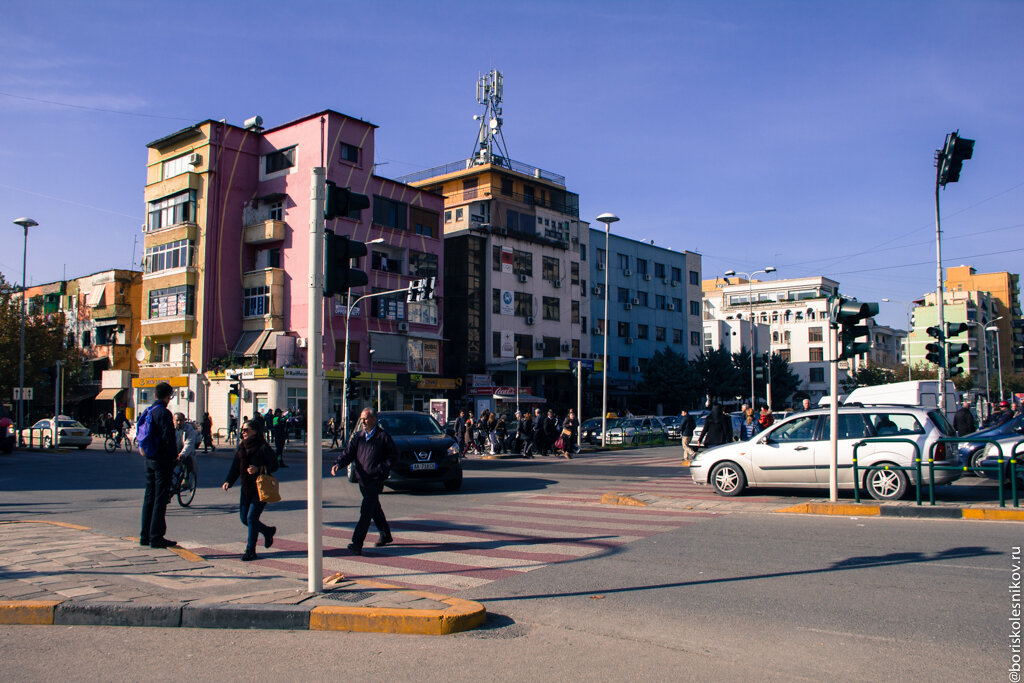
x=988, y=456
x=69, y=433
x=737, y=423
x=590, y=430
x=637, y=431
x=972, y=453
x=425, y=453
x=672, y=424
x=796, y=452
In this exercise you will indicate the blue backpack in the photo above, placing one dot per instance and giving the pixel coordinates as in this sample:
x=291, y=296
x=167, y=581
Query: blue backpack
x=144, y=434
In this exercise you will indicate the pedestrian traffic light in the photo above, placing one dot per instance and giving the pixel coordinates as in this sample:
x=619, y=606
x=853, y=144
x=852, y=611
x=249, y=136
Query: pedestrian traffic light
x=352, y=393
x=421, y=290
x=952, y=157
x=935, y=354
x=342, y=201
x=955, y=357
x=956, y=329
x=848, y=312
x=339, y=275
x=235, y=388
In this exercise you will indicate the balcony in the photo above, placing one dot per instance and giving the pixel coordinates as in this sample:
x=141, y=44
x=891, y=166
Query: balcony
x=115, y=311
x=164, y=327
x=187, y=230
x=264, y=232
x=179, y=183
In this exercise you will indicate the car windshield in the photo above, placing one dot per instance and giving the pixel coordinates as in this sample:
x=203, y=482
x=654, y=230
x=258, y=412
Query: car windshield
x=628, y=423
x=592, y=423
x=940, y=421
x=70, y=423
x=411, y=425
x=672, y=420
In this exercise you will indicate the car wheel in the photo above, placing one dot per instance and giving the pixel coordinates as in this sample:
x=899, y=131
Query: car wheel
x=976, y=459
x=453, y=483
x=884, y=484
x=46, y=442
x=728, y=479
x=352, y=473
x=82, y=447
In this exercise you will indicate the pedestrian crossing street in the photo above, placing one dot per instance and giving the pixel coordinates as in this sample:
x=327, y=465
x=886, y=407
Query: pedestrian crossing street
x=468, y=548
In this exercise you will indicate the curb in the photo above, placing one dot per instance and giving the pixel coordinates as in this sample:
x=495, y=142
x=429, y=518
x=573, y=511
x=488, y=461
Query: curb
x=867, y=510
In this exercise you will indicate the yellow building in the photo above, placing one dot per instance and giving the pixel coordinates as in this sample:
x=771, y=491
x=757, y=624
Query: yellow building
x=1004, y=288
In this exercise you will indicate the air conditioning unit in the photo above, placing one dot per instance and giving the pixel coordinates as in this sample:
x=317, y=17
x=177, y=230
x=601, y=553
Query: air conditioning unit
x=629, y=340
x=627, y=305
x=556, y=284
x=595, y=289
x=627, y=272
x=403, y=327
x=194, y=159
x=636, y=368
x=636, y=302
x=185, y=395
x=675, y=282
x=565, y=347
x=595, y=330
x=665, y=281
x=529, y=320
x=539, y=346
x=600, y=266
x=647, y=277
x=524, y=278
x=302, y=342
x=670, y=307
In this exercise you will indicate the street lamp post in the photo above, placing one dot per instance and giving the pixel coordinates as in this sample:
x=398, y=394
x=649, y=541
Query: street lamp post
x=909, y=331
x=25, y=224
x=345, y=376
x=518, y=358
x=607, y=219
x=999, y=357
x=372, y=351
x=750, y=303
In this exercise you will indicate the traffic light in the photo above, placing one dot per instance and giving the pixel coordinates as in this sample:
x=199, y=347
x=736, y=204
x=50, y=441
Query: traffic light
x=352, y=393
x=847, y=313
x=955, y=357
x=235, y=388
x=341, y=201
x=421, y=290
x=935, y=353
x=339, y=275
x=956, y=329
x=952, y=157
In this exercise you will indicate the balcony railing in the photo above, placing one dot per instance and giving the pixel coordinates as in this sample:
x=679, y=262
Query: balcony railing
x=465, y=164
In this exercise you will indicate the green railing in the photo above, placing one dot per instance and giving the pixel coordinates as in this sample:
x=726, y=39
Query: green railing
x=882, y=439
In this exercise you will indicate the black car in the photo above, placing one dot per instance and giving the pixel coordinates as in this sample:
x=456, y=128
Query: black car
x=973, y=452
x=425, y=453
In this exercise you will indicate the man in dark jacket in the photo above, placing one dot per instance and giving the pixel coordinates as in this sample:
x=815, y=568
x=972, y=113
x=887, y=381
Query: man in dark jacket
x=159, y=469
x=686, y=427
x=373, y=453
x=524, y=430
x=963, y=421
x=1001, y=416
x=280, y=435
x=460, y=430
x=540, y=432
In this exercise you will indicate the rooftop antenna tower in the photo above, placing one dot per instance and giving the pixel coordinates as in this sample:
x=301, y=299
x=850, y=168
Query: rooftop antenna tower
x=490, y=143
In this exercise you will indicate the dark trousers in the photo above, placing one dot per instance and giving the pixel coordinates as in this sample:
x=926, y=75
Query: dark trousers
x=154, y=503
x=250, y=509
x=370, y=510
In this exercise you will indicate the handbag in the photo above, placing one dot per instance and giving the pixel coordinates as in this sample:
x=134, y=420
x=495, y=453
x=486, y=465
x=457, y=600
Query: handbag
x=267, y=487
x=560, y=444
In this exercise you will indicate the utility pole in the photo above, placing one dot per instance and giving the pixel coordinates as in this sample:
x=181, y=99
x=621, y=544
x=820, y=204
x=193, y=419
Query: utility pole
x=314, y=385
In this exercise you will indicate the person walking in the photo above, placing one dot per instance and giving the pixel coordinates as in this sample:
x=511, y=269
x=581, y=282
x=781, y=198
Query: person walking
x=750, y=427
x=501, y=434
x=252, y=457
x=963, y=420
x=469, y=430
x=570, y=428
x=717, y=428
x=207, y=433
x=686, y=427
x=460, y=430
x=280, y=436
x=373, y=453
x=157, y=444
x=552, y=430
x=765, y=419
x=525, y=432
x=539, y=433
x=492, y=432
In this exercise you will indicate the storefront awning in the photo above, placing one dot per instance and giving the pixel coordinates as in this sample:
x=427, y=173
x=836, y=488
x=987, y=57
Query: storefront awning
x=250, y=343
x=108, y=394
x=523, y=398
x=271, y=343
x=96, y=296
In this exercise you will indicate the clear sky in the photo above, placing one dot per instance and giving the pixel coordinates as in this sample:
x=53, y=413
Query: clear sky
x=796, y=134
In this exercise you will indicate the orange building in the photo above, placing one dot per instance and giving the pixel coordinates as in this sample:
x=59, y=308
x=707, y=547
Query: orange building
x=1004, y=288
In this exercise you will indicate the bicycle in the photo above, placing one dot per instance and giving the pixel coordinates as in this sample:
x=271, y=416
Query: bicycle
x=113, y=442
x=183, y=483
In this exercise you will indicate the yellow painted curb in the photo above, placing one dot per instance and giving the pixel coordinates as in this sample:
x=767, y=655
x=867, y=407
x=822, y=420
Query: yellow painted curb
x=846, y=509
x=619, y=499
x=28, y=612
x=66, y=525
x=994, y=515
x=185, y=554
x=460, y=615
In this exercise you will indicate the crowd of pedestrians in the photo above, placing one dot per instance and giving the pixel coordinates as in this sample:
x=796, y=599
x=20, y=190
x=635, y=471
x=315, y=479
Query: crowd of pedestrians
x=528, y=434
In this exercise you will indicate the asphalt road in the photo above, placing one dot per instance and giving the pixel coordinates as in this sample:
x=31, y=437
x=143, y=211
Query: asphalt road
x=736, y=596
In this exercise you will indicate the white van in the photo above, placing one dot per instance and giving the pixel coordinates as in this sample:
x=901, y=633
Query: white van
x=923, y=393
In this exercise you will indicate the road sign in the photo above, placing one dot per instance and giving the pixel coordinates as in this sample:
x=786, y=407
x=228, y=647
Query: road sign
x=586, y=363
x=23, y=394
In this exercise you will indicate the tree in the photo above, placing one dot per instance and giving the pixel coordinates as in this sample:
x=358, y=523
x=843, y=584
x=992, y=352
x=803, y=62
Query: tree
x=718, y=375
x=784, y=381
x=671, y=380
x=868, y=375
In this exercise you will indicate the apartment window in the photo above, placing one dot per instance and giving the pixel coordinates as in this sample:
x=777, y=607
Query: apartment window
x=496, y=301
x=520, y=222
x=171, y=255
x=171, y=302
x=551, y=308
x=395, y=214
x=422, y=312
x=815, y=334
x=523, y=304
x=173, y=167
x=816, y=353
x=522, y=263
x=268, y=258
x=385, y=263
x=280, y=160
x=528, y=195
x=642, y=331
x=642, y=298
x=623, y=329
x=677, y=336
x=423, y=222
x=506, y=187
x=659, y=270
x=623, y=262
x=551, y=268
x=496, y=344
x=469, y=188
x=255, y=301
x=694, y=308
x=173, y=210
x=677, y=274
x=495, y=258
x=678, y=304
x=583, y=252
x=388, y=307
x=551, y=347
x=601, y=260
x=694, y=338
x=817, y=375
x=447, y=216
x=574, y=273
x=524, y=345
x=599, y=324
x=641, y=266
x=624, y=363
x=623, y=296
x=659, y=334
x=575, y=348
x=659, y=302
x=422, y=265
x=694, y=277
x=783, y=354
x=275, y=211
x=574, y=312
x=349, y=153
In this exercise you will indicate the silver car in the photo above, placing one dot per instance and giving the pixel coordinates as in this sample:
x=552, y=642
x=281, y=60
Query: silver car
x=69, y=433
x=796, y=452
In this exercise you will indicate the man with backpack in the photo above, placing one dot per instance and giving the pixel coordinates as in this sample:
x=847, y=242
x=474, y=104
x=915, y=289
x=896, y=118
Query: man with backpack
x=158, y=444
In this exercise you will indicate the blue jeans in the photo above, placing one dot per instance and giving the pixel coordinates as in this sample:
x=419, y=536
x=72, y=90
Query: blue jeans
x=250, y=509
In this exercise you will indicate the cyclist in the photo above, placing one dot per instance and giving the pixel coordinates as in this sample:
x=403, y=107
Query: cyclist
x=187, y=438
x=121, y=425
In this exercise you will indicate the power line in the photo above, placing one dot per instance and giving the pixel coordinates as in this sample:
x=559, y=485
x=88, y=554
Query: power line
x=69, y=201
x=101, y=109
x=929, y=263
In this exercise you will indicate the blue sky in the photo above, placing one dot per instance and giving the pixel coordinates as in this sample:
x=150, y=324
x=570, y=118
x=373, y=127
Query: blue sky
x=793, y=134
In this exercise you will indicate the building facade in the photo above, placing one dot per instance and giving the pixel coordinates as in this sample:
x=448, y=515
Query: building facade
x=978, y=310
x=1004, y=288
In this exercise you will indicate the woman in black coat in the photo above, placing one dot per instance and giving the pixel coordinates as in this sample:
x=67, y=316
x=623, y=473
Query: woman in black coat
x=717, y=428
x=252, y=456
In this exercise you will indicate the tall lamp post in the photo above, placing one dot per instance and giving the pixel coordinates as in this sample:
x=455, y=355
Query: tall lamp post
x=518, y=358
x=607, y=219
x=910, y=329
x=371, y=382
x=25, y=224
x=999, y=357
x=750, y=303
x=345, y=376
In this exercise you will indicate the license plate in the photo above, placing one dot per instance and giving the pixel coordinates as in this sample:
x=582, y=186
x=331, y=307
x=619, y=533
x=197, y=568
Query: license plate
x=424, y=466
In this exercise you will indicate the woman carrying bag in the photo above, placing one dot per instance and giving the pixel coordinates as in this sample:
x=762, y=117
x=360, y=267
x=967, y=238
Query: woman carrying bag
x=253, y=457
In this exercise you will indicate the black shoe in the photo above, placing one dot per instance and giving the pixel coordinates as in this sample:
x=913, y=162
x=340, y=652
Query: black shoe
x=249, y=556
x=144, y=542
x=384, y=540
x=355, y=549
x=268, y=538
x=162, y=543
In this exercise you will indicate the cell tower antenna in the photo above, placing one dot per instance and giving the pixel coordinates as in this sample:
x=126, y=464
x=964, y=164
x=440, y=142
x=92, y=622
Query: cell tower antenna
x=490, y=143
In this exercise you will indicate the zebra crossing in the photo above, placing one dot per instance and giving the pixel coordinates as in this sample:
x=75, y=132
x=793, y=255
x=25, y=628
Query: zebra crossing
x=468, y=548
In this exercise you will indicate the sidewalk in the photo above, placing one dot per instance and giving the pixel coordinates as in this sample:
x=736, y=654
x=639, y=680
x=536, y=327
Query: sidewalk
x=63, y=574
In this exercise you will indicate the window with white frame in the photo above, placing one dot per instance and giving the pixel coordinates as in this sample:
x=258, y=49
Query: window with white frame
x=174, y=167
x=281, y=160
x=173, y=210
x=171, y=302
x=167, y=256
x=256, y=301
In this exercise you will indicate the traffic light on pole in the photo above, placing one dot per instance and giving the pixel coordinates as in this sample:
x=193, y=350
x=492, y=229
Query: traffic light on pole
x=353, y=392
x=343, y=202
x=421, y=290
x=235, y=388
x=956, y=329
x=934, y=353
x=339, y=275
x=952, y=157
x=956, y=352
x=848, y=314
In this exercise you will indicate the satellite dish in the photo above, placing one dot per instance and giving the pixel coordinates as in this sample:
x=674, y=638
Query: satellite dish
x=140, y=354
